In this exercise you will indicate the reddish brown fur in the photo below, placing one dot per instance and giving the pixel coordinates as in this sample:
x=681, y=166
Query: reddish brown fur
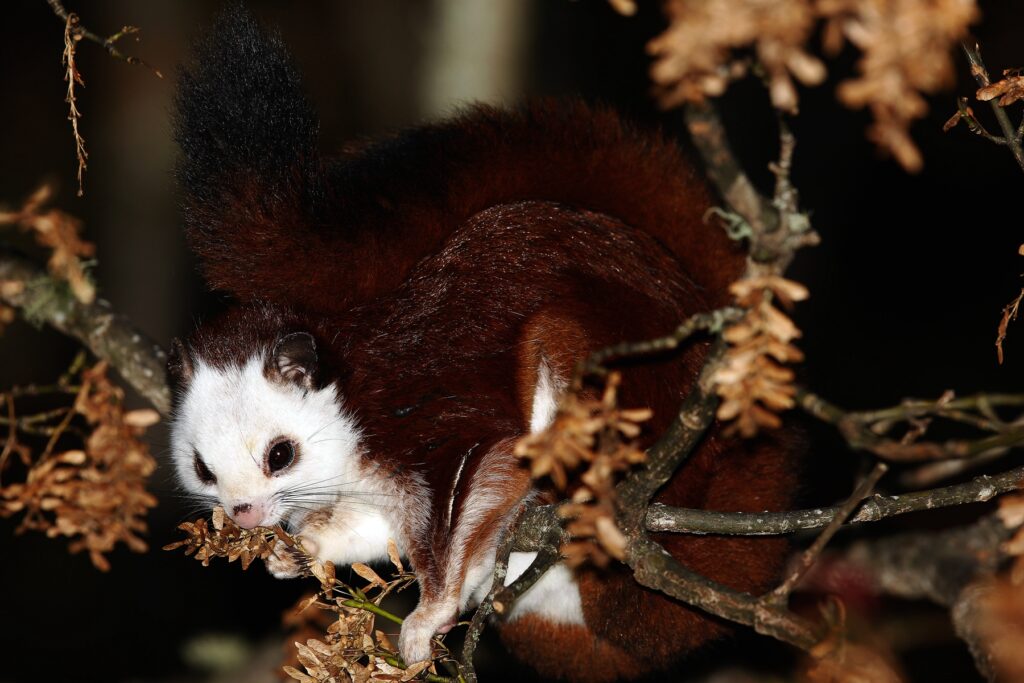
x=568, y=652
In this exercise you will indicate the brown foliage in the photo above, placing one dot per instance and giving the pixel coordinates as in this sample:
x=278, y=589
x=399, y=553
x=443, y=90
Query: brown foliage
x=59, y=232
x=1009, y=90
x=221, y=537
x=905, y=50
x=695, y=56
x=96, y=493
x=849, y=663
x=598, y=433
x=751, y=381
x=346, y=647
x=352, y=648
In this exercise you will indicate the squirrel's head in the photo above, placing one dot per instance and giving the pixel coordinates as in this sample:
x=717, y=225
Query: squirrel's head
x=255, y=430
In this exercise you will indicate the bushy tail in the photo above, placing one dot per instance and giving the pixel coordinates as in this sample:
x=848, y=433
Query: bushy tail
x=249, y=168
x=271, y=220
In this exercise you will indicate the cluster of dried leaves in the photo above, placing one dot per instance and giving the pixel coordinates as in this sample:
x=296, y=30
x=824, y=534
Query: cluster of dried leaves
x=906, y=47
x=696, y=56
x=352, y=648
x=348, y=648
x=96, y=493
x=751, y=380
x=905, y=50
x=59, y=232
x=221, y=537
x=596, y=432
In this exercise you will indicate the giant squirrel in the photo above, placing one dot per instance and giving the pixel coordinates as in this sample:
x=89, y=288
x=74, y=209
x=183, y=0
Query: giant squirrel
x=406, y=309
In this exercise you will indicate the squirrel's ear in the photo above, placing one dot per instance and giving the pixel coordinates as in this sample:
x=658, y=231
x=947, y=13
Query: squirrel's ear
x=294, y=359
x=179, y=365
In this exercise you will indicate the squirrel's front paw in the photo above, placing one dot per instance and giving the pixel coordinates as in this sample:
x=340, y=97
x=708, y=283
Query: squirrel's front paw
x=419, y=628
x=285, y=563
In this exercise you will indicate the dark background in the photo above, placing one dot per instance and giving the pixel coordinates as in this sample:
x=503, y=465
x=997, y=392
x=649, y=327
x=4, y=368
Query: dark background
x=907, y=286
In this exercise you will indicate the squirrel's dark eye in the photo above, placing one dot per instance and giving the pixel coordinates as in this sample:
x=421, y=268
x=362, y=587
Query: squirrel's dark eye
x=202, y=471
x=280, y=456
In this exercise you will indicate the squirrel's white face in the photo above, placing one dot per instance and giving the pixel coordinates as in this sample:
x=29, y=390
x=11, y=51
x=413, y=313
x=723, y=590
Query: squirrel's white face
x=264, y=443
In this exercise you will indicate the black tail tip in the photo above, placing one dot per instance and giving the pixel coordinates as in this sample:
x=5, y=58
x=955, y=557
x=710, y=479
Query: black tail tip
x=240, y=106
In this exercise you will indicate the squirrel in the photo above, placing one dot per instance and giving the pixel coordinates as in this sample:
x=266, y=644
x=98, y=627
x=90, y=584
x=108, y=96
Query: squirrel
x=407, y=309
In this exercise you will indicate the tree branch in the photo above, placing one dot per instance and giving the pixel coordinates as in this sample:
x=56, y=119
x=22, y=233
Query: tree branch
x=725, y=171
x=111, y=337
x=674, y=447
x=980, y=489
x=486, y=607
x=655, y=568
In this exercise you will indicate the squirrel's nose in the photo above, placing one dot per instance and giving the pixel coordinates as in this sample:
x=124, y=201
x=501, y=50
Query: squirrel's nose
x=246, y=516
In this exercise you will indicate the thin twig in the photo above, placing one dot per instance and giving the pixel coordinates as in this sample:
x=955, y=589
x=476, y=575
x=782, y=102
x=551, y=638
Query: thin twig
x=537, y=521
x=725, y=171
x=74, y=32
x=1010, y=312
x=980, y=73
x=36, y=418
x=107, y=43
x=547, y=556
x=11, y=442
x=843, y=512
x=712, y=322
x=855, y=429
x=978, y=490
x=373, y=608
x=674, y=447
x=966, y=114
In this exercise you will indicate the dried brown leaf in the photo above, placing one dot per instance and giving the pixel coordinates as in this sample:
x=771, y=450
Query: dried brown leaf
x=1008, y=90
x=367, y=573
x=415, y=670
x=395, y=556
